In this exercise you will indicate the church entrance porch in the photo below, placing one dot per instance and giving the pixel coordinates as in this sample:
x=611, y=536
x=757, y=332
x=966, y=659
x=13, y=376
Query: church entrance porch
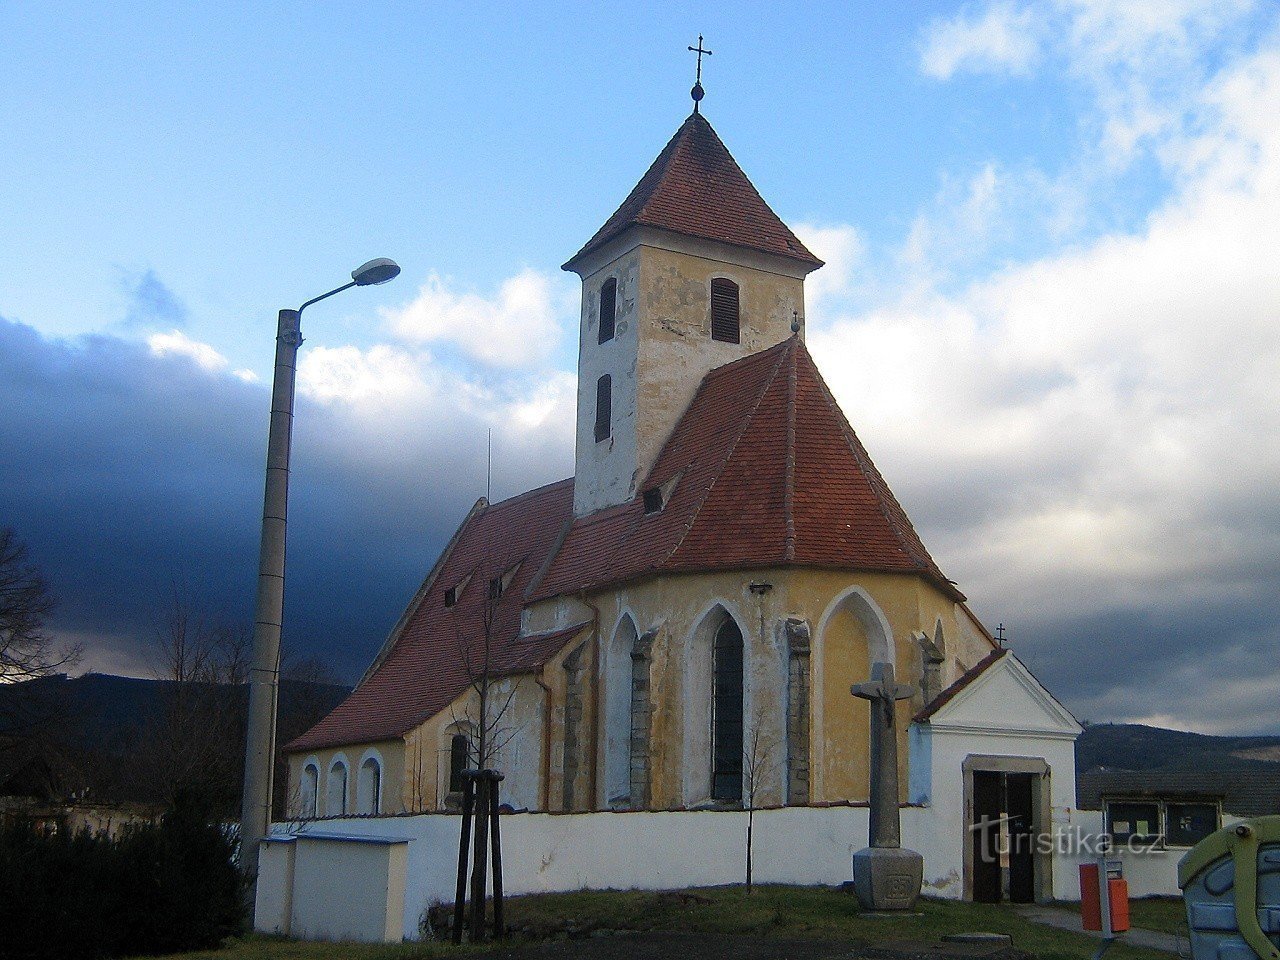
x=1006, y=812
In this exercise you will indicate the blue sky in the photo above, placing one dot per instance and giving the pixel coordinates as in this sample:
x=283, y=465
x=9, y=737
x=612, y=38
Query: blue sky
x=1049, y=308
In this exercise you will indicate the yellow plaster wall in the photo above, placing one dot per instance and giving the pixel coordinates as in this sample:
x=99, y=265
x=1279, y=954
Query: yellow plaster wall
x=675, y=349
x=675, y=606
x=393, y=760
x=839, y=745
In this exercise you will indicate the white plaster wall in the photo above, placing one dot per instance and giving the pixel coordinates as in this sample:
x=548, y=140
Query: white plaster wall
x=606, y=469
x=273, y=905
x=944, y=831
x=606, y=850
x=347, y=891
x=1151, y=873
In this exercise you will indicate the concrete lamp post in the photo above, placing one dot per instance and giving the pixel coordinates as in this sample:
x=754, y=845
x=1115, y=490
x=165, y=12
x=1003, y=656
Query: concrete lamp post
x=264, y=673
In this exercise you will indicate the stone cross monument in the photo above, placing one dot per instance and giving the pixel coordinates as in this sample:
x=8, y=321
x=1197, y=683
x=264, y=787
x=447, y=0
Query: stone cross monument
x=885, y=876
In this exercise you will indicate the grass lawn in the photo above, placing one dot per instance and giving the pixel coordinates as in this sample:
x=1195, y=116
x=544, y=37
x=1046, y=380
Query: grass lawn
x=768, y=911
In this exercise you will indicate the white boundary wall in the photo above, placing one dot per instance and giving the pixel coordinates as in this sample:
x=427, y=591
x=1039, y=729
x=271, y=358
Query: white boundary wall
x=545, y=853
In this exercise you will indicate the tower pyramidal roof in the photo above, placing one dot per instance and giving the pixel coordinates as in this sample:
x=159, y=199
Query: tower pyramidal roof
x=697, y=189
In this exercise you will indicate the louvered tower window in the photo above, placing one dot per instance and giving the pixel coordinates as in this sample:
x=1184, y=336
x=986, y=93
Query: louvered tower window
x=608, y=309
x=724, y=310
x=604, y=407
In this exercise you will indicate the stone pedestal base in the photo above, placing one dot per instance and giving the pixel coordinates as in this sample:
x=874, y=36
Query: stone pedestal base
x=887, y=878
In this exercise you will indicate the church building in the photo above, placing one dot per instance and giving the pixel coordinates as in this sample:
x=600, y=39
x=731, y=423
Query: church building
x=678, y=625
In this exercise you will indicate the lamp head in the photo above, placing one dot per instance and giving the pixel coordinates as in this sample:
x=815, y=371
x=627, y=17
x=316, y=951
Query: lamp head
x=375, y=272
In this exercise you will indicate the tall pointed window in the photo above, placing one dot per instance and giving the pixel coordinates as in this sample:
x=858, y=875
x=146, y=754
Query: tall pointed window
x=726, y=713
x=604, y=408
x=608, y=309
x=724, y=310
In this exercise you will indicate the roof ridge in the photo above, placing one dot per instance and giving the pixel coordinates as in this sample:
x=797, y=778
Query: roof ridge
x=526, y=493
x=884, y=495
x=789, y=485
x=746, y=422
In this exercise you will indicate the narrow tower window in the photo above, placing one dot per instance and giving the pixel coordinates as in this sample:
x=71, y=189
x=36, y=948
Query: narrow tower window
x=724, y=310
x=604, y=408
x=608, y=308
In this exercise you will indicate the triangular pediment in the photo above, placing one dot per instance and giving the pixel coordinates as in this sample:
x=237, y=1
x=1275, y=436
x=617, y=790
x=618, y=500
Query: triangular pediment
x=1006, y=698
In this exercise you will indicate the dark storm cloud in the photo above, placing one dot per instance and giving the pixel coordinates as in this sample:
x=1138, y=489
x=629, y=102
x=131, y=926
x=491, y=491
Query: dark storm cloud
x=126, y=472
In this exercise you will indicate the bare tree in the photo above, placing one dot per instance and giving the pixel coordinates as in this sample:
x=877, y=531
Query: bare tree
x=485, y=717
x=194, y=742
x=26, y=650
x=34, y=726
x=758, y=749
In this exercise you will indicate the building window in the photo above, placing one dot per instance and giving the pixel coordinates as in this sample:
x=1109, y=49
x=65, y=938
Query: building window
x=1186, y=824
x=335, y=800
x=451, y=596
x=608, y=309
x=726, y=714
x=724, y=311
x=310, y=788
x=495, y=588
x=459, y=750
x=604, y=408
x=369, y=787
x=1176, y=823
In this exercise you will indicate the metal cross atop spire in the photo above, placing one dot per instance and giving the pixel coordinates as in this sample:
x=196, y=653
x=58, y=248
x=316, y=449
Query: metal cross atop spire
x=697, y=92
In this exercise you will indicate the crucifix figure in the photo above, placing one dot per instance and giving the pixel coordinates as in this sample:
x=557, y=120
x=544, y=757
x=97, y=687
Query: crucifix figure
x=697, y=91
x=885, y=877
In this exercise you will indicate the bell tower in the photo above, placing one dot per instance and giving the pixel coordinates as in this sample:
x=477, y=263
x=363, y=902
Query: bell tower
x=692, y=272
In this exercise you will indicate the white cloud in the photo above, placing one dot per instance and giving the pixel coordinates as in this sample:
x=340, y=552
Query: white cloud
x=388, y=391
x=1001, y=39
x=177, y=343
x=1091, y=434
x=518, y=327
x=843, y=249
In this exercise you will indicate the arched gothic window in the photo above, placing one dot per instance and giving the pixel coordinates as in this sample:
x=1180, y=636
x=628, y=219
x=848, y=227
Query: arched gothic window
x=335, y=798
x=724, y=311
x=726, y=713
x=608, y=309
x=369, y=786
x=310, y=790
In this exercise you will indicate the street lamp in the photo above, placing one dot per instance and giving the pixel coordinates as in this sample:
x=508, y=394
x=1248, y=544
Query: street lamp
x=264, y=673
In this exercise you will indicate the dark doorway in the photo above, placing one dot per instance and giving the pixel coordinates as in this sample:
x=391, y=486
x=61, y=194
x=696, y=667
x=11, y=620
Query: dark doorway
x=1003, y=836
x=1019, y=807
x=985, y=837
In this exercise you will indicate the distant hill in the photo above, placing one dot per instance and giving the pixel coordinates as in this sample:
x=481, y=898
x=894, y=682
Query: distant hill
x=120, y=739
x=102, y=708
x=1131, y=760
x=1132, y=746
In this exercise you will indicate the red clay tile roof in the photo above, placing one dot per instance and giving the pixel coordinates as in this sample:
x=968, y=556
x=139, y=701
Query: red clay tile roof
x=767, y=473
x=970, y=675
x=696, y=188
x=424, y=669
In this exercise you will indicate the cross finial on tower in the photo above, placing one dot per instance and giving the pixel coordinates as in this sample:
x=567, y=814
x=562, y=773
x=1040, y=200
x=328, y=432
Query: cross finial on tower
x=697, y=92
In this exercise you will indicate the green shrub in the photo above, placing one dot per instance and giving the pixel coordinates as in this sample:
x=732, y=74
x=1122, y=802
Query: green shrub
x=159, y=888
